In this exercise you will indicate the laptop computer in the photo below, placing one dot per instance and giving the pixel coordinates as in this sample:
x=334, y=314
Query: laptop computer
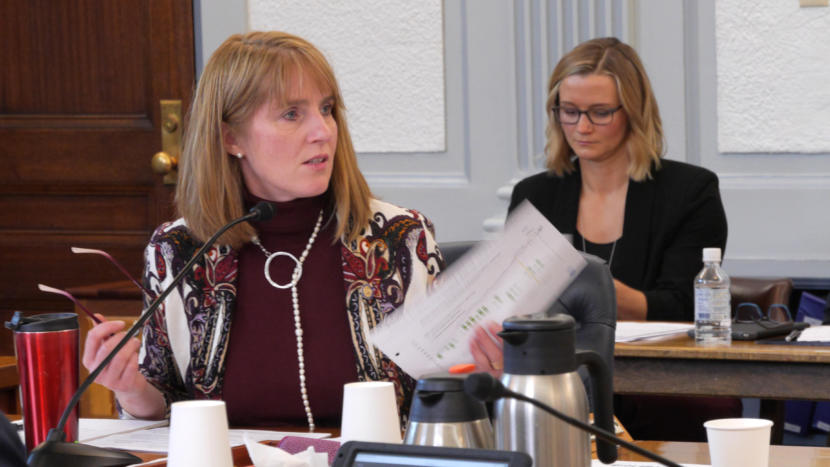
x=366, y=454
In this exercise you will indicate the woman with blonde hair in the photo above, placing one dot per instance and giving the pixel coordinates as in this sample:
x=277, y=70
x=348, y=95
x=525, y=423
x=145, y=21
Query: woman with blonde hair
x=276, y=318
x=649, y=218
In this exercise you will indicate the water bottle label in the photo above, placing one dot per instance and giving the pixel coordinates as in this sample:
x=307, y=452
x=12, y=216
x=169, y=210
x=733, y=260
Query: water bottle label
x=712, y=304
x=712, y=316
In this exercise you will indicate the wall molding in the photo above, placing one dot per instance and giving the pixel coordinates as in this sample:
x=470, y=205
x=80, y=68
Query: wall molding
x=768, y=181
x=691, y=61
x=453, y=164
x=421, y=180
x=813, y=268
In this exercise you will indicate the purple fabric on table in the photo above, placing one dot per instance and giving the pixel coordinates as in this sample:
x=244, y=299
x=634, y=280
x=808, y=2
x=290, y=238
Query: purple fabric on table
x=295, y=444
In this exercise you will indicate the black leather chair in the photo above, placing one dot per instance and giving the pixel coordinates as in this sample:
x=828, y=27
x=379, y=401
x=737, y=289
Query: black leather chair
x=451, y=251
x=591, y=300
x=12, y=451
x=765, y=292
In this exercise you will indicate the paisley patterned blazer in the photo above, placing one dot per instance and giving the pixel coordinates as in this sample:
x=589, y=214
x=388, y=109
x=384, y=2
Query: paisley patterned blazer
x=185, y=342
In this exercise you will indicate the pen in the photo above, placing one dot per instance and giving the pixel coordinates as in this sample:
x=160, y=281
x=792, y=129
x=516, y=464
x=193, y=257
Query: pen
x=793, y=335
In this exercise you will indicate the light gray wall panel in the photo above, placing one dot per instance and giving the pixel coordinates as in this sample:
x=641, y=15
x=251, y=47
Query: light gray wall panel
x=775, y=203
x=660, y=42
x=545, y=31
x=498, y=56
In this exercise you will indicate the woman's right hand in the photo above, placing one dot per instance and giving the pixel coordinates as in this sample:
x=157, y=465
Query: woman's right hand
x=121, y=374
x=138, y=397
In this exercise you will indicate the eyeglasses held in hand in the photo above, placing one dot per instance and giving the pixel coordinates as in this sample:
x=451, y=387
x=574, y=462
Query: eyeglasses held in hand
x=112, y=260
x=752, y=313
x=46, y=288
x=569, y=115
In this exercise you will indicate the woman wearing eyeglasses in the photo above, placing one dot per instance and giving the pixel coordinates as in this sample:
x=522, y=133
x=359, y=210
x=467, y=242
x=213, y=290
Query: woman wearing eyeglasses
x=607, y=184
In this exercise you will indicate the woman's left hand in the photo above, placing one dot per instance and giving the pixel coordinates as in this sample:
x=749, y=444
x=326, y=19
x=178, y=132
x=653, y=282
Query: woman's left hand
x=631, y=303
x=487, y=352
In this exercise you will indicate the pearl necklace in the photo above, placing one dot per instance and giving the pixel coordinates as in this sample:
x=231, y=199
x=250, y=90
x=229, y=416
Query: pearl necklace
x=298, y=328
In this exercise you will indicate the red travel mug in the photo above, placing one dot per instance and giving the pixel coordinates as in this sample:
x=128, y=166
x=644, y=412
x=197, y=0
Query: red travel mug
x=47, y=349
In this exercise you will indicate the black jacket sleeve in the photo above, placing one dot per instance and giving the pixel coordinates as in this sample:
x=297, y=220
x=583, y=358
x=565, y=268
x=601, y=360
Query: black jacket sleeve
x=699, y=222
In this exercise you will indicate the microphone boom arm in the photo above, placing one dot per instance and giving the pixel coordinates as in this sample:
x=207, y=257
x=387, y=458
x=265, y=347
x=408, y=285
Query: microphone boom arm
x=57, y=433
x=598, y=432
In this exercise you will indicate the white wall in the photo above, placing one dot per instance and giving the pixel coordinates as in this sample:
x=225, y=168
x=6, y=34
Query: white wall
x=775, y=201
x=498, y=54
x=388, y=56
x=773, y=64
x=450, y=171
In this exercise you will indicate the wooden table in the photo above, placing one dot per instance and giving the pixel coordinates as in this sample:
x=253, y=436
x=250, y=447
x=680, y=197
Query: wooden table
x=689, y=453
x=677, y=366
x=9, y=383
x=238, y=453
x=698, y=453
x=744, y=369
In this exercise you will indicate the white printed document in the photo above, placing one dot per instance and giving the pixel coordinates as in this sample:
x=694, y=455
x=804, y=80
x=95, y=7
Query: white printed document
x=152, y=436
x=596, y=463
x=815, y=334
x=630, y=331
x=521, y=271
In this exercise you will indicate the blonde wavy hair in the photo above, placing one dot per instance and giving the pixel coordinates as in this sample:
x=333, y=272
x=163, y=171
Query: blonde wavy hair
x=608, y=56
x=243, y=73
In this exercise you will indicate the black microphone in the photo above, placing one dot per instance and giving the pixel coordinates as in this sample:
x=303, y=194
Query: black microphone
x=57, y=452
x=484, y=387
x=263, y=211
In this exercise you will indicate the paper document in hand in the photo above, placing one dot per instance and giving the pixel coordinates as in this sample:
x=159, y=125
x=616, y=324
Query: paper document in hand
x=521, y=271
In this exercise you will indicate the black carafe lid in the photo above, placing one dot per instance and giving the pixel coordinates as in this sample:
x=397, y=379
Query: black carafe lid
x=539, y=346
x=46, y=322
x=441, y=399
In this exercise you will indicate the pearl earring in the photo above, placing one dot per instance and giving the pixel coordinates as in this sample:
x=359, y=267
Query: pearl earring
x=239, y=155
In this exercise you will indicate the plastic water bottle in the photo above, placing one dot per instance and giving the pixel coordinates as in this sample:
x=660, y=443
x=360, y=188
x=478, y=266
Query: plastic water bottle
x=713, y=314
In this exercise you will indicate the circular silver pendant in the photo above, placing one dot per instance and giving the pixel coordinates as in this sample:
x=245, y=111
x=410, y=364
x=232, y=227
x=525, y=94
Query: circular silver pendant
x=295, y=276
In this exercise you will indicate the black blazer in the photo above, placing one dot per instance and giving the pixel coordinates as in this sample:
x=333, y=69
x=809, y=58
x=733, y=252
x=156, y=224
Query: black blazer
x=669, y=219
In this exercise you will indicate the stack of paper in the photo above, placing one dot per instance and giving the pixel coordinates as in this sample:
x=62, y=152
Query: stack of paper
x=153, y=436
x=596, y=463
x=815, y=334
x=630, y=331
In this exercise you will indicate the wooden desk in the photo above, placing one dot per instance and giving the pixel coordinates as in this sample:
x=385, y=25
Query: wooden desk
x=239, y=453
x=745, y=369
x=698, y=453
x=689, y=453
x=9, y=384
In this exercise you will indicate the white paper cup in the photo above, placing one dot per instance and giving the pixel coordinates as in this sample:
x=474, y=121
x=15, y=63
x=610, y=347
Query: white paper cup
x=738, y=441
x=370, y=413
x=199, y=435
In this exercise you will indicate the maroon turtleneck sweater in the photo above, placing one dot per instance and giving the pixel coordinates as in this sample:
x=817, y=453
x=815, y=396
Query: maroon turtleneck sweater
x=261, y=385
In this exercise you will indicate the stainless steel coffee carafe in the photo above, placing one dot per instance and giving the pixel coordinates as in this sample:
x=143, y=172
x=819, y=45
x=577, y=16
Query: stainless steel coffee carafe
x=540, y=361
x=442, y=414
